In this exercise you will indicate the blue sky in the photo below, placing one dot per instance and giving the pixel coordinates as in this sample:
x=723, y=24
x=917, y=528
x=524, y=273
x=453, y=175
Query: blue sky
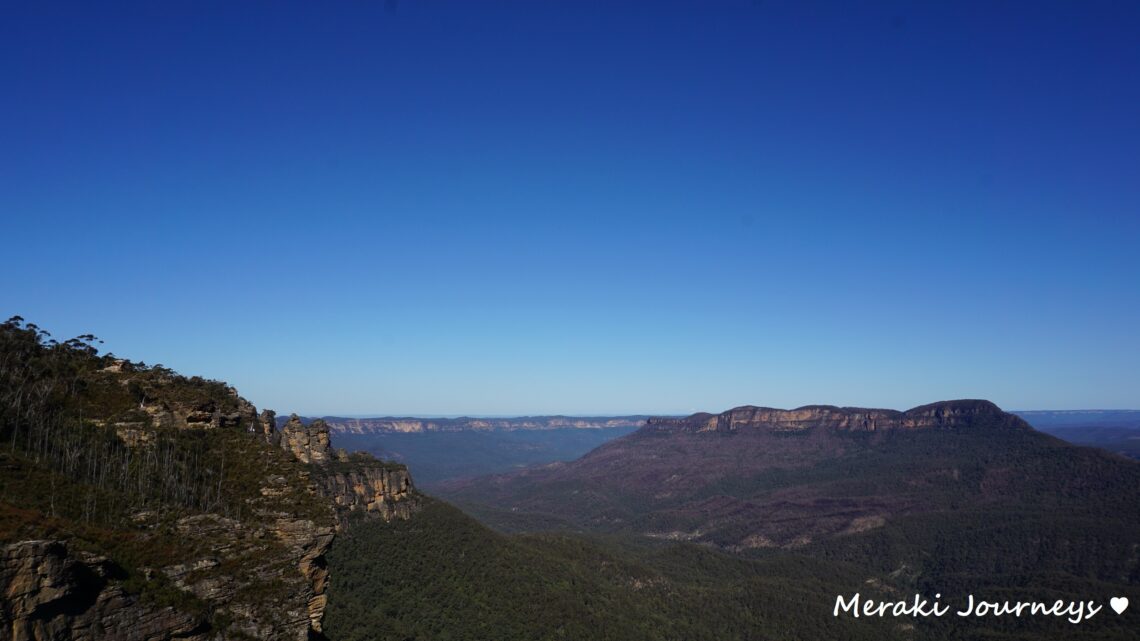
x=583, y=207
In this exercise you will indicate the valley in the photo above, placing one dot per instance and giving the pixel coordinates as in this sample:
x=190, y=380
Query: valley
x=442, y=456
x=138, y=503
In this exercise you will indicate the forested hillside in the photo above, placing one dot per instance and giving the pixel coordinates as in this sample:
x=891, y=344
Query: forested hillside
x=444, y=576
x=136, y=503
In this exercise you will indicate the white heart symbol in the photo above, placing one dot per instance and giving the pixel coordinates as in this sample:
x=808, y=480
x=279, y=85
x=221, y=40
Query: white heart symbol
x=1119, y=603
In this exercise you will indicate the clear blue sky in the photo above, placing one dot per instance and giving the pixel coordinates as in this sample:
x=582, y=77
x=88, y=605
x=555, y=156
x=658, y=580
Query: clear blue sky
x=369, y=207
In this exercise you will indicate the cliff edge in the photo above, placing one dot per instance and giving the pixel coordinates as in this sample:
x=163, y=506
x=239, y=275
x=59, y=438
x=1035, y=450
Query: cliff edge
x=136, y=503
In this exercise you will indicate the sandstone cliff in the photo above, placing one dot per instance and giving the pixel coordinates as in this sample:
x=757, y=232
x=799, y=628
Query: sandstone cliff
x=945, y=414
x=355, y=483
x=50, y=593
x=307, y=443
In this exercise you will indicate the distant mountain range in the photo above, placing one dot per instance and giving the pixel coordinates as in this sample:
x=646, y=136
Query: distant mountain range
x=1117, y=431
x=441, y=449
x=1040, y=419
x=1046, y=419
x=412, y=425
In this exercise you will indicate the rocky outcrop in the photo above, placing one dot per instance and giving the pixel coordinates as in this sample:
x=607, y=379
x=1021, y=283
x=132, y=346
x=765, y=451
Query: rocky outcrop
x=230, y=411
x=51, y=593
x=356, y=483
x=307, y=443
x=266, y=425
x=945, y=414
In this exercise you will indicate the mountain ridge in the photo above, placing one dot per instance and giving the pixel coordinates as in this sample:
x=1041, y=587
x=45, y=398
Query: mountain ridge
x=951, y=413
x=755, y=477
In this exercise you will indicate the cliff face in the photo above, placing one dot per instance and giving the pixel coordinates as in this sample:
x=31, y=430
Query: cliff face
x=946, y=414
x=356, y=482
x=49, y=593
x=352, y=483
x=54, y=592
x=384, y=491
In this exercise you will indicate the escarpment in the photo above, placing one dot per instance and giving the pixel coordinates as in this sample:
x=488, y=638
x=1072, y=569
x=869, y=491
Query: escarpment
x=945, y=414
x=136, y=503
x=355, y=482
x=382, y=490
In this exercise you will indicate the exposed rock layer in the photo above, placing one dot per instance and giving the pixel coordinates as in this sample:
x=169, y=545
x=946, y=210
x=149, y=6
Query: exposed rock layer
x=946, y=414
x=307, y=443
x=384, y=491
x=354, y=483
